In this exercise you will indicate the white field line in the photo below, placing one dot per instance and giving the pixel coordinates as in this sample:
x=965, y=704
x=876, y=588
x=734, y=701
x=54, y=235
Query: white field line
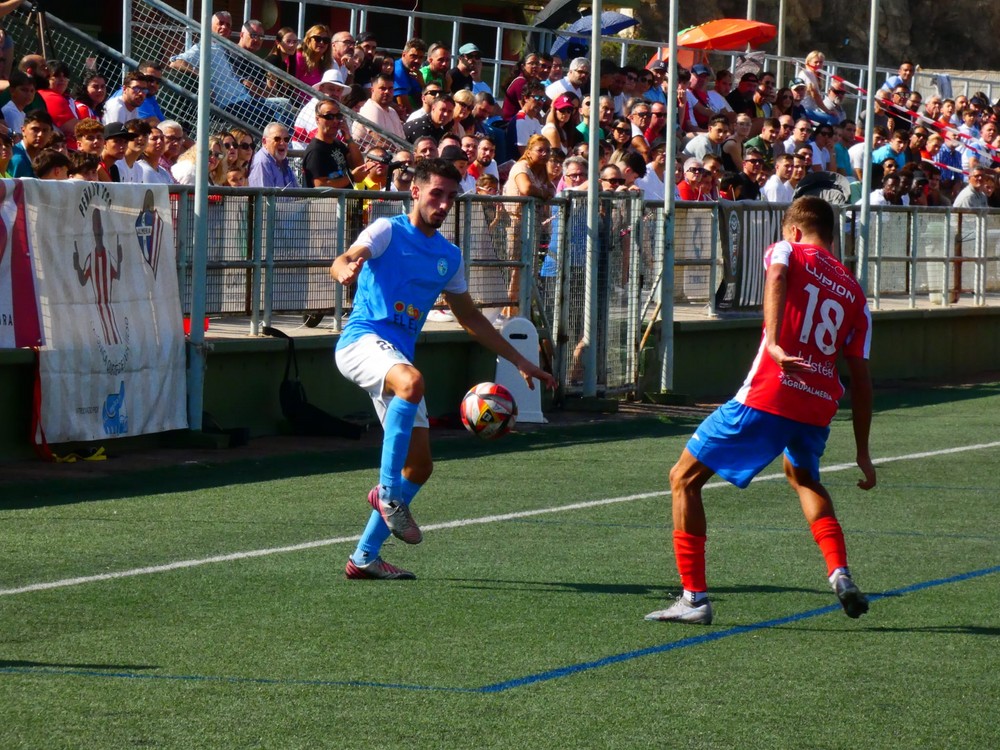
x=460, y=523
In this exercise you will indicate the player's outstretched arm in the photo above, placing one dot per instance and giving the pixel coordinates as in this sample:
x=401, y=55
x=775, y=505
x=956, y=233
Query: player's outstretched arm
x=346, y=267
x=476, y=324
x=861, y=412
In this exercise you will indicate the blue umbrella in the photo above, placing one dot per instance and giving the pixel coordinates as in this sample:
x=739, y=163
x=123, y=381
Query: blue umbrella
x=611, y=23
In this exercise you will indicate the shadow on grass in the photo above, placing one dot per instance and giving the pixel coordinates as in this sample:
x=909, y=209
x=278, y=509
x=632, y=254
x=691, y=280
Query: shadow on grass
x=903, y=395
x=13, y=665
x=205, y=474
x=630, y=589
x=945, y=629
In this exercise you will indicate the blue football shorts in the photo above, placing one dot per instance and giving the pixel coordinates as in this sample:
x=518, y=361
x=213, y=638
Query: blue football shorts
x=737, y=441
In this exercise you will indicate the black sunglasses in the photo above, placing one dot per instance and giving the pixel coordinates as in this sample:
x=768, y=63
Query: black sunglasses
x=321, y=39
x=330, y=116
x=614, y=180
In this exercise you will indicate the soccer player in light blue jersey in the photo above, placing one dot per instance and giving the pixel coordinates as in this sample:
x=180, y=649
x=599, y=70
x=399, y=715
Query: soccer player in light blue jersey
x=401, y=265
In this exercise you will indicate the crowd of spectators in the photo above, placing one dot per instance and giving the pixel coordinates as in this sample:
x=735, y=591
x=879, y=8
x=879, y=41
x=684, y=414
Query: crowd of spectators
x=737, y=139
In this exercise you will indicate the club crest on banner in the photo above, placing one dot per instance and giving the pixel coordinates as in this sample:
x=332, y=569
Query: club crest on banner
x=149, y=232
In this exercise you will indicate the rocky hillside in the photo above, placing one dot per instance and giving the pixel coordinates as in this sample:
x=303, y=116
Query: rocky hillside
x=955, y=34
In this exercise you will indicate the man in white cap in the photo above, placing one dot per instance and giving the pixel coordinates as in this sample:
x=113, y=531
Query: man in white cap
x=305, y=123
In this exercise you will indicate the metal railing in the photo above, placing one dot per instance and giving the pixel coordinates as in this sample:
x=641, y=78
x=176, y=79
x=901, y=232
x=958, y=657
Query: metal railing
x=155, y=31
x=269, y=252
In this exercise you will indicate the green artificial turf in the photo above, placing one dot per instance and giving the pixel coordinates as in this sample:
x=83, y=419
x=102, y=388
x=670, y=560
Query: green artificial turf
x=520, y=632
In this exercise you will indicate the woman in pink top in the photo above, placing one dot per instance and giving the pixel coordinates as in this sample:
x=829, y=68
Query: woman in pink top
x=314, y=56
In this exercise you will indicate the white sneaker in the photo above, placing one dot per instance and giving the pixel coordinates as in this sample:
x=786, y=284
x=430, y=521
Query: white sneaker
x=684, y=611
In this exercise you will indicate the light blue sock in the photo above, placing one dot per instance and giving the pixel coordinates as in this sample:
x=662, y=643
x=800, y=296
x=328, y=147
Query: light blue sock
x=398, y=426
x=410, y=490
x=376, y=532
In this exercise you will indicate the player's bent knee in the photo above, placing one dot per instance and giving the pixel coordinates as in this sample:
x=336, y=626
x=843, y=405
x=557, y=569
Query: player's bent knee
x=406, y=382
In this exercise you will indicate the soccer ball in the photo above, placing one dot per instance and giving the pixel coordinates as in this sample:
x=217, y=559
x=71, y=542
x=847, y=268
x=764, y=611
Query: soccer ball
x=488, y=411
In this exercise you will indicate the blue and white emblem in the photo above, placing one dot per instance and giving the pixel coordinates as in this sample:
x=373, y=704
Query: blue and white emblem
x=442, y=267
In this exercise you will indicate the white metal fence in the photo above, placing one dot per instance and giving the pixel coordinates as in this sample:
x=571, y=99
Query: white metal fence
x=269, y=252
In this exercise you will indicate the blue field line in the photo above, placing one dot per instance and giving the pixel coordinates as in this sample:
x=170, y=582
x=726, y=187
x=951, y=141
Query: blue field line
x=697, y=640
x=517, y=682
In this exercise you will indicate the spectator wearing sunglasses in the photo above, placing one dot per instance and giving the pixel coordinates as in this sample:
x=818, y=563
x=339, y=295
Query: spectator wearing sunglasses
x=315, y=55
x=528, y=119
x=305, y=121
x=430, y=92
x=748, y=179
x=692, y=185
x=244, y=147
x=125, y=106
x=228, y=90
x=332, y=155
x=576, y=81
x=270, y=167
x=462, y=76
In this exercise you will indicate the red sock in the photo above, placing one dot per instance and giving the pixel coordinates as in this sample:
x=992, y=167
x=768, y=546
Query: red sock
x=690, y=553
x=830, y=538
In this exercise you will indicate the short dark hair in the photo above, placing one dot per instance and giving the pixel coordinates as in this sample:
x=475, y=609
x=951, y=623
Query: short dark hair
x=813, y=216
x=138, y=127
x=133, y=77
x=635, y=161
x=80, y=162
x=49, y=159
x=38, y=115
x=425, y=169
x=58, y=66
x=19, y=78
x=415, y=43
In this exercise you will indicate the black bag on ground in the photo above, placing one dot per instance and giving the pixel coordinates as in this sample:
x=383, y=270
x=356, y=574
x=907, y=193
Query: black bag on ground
x=305, y=418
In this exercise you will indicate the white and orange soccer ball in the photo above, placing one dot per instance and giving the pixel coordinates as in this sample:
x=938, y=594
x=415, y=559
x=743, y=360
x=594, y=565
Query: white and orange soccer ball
x=488, y=411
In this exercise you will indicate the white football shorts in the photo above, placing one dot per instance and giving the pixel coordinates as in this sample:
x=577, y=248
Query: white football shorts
x=366, y=362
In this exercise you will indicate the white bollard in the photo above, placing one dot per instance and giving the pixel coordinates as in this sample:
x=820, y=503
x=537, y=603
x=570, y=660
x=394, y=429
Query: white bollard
x=522, y=336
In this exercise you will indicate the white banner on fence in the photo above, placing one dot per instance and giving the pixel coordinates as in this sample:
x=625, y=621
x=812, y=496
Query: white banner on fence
x=113, y=361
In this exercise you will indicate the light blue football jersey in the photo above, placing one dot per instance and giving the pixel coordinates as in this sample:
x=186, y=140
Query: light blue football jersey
x=398, y=286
